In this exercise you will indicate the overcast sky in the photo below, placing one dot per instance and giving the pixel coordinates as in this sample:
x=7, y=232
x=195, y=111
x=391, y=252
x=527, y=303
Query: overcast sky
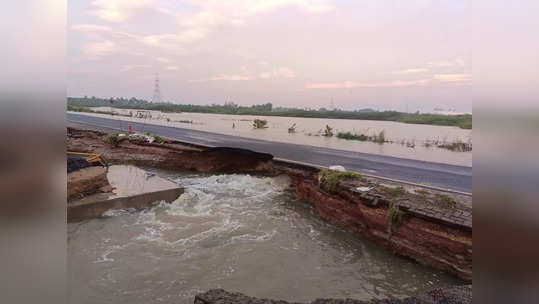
x=412, y=54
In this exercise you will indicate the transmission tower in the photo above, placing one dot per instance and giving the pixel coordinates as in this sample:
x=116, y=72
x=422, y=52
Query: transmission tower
x=156, y=91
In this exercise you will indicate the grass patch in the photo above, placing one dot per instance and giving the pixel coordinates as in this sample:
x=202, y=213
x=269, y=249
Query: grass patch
x=113, y=139
x=446, y=200
x=329, y=179
x=395, y=217
x=422, y=192
x=394, y=214
x=395, y=192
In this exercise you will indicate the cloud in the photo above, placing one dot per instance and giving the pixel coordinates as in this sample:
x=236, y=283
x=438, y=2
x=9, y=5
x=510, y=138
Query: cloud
x=192, y=26
x=97, y=50
x=353, y=85
x=278, y=72
x=453, y=77
x=130, y=67
x=458, y=79
x=163, y=59
x=411, y=71
x=117, y=10
x=224, y=77
x=458, y=62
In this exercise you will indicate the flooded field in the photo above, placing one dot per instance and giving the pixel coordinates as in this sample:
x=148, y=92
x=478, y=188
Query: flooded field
x=409, y=140
x=238, y=232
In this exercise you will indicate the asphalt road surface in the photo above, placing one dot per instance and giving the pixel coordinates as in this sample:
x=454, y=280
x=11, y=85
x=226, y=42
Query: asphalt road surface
x=453, y=177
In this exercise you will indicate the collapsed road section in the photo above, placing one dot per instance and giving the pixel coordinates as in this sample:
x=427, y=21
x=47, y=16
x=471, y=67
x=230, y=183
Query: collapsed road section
x=431, y=228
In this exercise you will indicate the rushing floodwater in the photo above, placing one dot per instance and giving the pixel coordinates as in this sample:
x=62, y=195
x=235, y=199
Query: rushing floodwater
x=237, y=232
x=308, y=128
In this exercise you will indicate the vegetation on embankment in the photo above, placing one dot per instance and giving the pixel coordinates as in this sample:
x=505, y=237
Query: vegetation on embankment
x=329, y=179
x=462, y=121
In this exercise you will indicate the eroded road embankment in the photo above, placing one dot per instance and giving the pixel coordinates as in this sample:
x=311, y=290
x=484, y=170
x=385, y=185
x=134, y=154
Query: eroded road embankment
x=431, y=228
x=440, y=175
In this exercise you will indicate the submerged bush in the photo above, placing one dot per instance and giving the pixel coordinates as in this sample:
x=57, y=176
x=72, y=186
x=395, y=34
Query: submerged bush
x=381, y=138
x=351, y=136
x=260, y=123
x=330, y=178
x=328, y=132
x=292, y=129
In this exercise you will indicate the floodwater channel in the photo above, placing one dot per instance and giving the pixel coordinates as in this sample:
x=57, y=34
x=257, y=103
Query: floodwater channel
x=238, y=232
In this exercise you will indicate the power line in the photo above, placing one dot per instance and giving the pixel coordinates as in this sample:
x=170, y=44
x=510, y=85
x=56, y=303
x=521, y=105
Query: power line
x=156, y=91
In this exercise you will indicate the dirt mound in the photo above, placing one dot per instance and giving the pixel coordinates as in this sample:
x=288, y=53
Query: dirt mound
x=87, y=181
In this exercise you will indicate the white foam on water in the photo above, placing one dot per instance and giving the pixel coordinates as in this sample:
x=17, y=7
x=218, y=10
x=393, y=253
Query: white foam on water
x=119, y=212
x=105, y=256
x=219, y=202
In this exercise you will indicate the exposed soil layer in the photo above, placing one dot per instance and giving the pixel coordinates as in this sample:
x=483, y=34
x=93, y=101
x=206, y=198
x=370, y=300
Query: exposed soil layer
x=87, y=181
x=455, y=295
x=432, y=230
x=169, y=155
x=426, y=239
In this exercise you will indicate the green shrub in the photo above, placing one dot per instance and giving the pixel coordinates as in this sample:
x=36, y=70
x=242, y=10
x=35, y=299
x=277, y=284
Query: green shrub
x=158, y=139
x=330, y=178
x=113, y=139
x=394, y=214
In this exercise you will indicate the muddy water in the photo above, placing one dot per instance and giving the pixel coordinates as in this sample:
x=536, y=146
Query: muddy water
x=307, y=133
x=237, y=232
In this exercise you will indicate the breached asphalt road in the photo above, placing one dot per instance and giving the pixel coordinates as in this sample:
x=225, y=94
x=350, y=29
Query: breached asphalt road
x=458, y=178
